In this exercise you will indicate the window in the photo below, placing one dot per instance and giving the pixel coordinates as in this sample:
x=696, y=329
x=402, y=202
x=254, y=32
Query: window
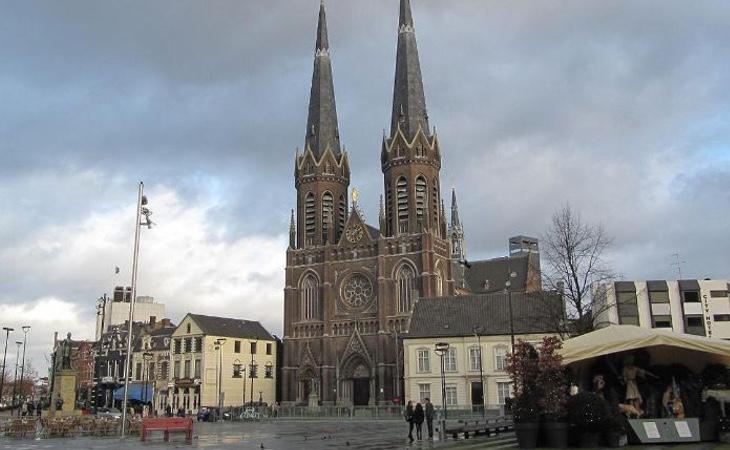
x=268, y=348
x=151, y=371
x=659, y=296
x=328, y=214
x=722, y=317
x=628, y=311
x=423, y=362
x=405, y=280
x=186, y=374
x=237, y=370
x=198, y=344
x=187, y=328
x=662, y=321
x=475, y=359
x=500, y=358
x=450, y=392
x=198, y=367
x=694, y=325
x=503, y=391
x=435, y=202
x=424, y=390
x=420, y=199
x=718, y=294
x=342, y=210
x=401, y=194
x=309, y=222
x=310, y=298
x=138, y=372
x=164, y=370
x=188, y=347
x=236, y=346
x=176, y=371
x=253, y=348
x=269, y=371
x=691, y=296
x=450, y=360
x=253, y=371
x=177, y=344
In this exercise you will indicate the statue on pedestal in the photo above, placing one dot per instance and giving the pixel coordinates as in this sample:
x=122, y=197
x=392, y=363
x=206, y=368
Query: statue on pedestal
x=63, y=354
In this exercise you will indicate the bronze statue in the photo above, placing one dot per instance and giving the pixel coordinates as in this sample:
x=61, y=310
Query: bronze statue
x=64, y=350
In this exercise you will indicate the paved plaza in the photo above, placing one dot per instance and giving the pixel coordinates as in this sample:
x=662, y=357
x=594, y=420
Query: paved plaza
x=290, y=435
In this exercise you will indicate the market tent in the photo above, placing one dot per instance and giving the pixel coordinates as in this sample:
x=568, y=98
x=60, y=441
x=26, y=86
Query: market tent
x=136, y=392
x=664, y=346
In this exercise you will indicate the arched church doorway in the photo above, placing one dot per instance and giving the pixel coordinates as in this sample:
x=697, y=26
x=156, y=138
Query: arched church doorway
x=360, y=386
x=357, y=383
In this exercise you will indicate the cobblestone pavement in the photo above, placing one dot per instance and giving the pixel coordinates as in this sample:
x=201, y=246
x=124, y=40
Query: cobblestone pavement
x=289, y=435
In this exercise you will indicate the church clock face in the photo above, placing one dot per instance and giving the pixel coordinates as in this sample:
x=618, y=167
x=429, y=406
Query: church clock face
x=354, y=233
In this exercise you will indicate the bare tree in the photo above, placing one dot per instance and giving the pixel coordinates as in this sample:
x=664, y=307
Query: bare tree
x=573, y=252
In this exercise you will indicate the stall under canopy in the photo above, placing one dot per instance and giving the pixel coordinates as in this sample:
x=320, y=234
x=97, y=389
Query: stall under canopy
x=663, y=346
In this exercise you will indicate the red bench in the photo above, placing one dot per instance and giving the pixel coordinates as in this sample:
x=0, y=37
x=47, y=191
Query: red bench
x=168, y=424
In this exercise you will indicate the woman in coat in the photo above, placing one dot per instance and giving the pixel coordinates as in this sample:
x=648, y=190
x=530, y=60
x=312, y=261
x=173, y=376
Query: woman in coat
x=409, y=419
x=418, y=416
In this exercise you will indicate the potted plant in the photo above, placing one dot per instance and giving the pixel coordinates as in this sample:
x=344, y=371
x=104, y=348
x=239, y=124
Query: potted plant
x=553, y=393
x=587, y=413
x=522, y=366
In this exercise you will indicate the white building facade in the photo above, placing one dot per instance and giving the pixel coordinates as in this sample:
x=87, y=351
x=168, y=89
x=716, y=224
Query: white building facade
x=699, y=307
x=115, y=310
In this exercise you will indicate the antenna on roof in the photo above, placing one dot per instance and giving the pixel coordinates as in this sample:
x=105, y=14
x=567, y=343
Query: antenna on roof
x=678, y=264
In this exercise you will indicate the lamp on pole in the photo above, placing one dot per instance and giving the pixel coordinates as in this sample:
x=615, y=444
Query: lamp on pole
x=441, y=349
x=396, y=325
x=219, y=348
x=142, y=210
x=5, y=353
x=477, y=332
x=508, y=288
x=251, y=370
x=146, y=356
x=15, y=377
x=26, y=329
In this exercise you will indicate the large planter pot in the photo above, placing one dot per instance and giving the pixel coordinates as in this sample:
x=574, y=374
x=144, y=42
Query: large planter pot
x=555, y=434
x=588, y=439
x=527, y=434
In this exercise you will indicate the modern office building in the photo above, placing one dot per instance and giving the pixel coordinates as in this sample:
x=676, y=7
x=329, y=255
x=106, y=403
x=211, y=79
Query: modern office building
x=115, y=310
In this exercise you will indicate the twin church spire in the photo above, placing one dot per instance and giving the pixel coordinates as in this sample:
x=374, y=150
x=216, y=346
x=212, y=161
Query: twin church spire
x=410, y=166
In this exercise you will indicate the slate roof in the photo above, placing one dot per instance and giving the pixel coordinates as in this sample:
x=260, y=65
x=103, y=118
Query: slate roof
x=158, y=338
x=458, y=315
x=229, y=327
x=490, y=275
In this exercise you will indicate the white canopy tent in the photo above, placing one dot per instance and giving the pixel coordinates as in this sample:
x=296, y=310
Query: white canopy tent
x=664, y=346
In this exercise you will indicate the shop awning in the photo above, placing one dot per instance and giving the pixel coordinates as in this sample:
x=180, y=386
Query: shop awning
x=664, y=346
x=136, y=392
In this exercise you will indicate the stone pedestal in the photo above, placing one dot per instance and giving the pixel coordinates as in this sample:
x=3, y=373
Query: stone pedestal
x=64, y=387
x=314, y=402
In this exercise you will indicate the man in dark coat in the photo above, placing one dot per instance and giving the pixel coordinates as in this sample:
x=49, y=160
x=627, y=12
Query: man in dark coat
x=429, y=416
x=418, y=416
x=409, y=418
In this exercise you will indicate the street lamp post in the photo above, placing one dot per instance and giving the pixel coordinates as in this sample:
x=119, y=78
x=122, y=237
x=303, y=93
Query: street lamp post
x=251, y=369
x=147, y=357
x=26, y=329
x=142, y=210
x=477, y=332
x=219, y=347
x=15, y=377
x=508, y=287
x=5, y=353
x=441, y=349
x=397, y=362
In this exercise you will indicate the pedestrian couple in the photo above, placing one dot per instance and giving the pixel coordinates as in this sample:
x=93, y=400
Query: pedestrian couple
x=415, y=417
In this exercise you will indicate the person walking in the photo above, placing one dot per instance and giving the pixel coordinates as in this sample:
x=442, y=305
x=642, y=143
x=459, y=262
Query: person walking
x=418, y=416
x=409, y=419
x=429, y=416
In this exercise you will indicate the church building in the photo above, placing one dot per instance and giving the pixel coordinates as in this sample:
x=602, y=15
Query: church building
x=351, y=286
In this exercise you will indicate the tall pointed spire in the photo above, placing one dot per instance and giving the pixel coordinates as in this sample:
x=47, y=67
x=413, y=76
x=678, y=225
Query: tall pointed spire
x=292, y=231
x=409, y=102
x=454, y=209
x=456, y=231
x=322, y=130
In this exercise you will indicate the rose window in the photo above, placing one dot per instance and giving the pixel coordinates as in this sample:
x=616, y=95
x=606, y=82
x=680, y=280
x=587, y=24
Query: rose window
x=357, y=291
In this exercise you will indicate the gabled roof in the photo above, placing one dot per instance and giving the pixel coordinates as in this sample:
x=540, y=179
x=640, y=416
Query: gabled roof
x=459, y=315
x=230, y=327
x=490, y=275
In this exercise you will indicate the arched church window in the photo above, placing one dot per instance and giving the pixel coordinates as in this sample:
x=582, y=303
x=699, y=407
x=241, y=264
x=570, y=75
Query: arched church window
x=401, y=193
x=328, y=214
x=421, y=199
x=309, y=220
x=405, y=286
x=342, y=206
x=435, y=202
x=310, y=298
x=439, y=283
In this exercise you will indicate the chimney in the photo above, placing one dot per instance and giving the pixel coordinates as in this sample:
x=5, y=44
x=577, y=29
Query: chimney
x=166, y=323
x=118, y=294
x=55, y=338
x=153, y=321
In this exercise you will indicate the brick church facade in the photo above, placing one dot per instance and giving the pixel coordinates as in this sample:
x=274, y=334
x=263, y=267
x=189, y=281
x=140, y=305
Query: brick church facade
x=351, y=287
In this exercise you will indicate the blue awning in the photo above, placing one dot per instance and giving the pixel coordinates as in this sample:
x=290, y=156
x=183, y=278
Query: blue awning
x=136, y=392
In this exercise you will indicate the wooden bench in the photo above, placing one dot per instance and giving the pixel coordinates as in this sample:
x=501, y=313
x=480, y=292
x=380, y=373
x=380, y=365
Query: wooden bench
x=492, y=425
x=167, y=425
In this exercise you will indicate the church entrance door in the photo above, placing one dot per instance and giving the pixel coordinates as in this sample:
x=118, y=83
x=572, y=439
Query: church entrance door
x=361, y=391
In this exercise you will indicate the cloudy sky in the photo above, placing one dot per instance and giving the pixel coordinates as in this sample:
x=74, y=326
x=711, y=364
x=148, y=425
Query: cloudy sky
x=620, y=108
